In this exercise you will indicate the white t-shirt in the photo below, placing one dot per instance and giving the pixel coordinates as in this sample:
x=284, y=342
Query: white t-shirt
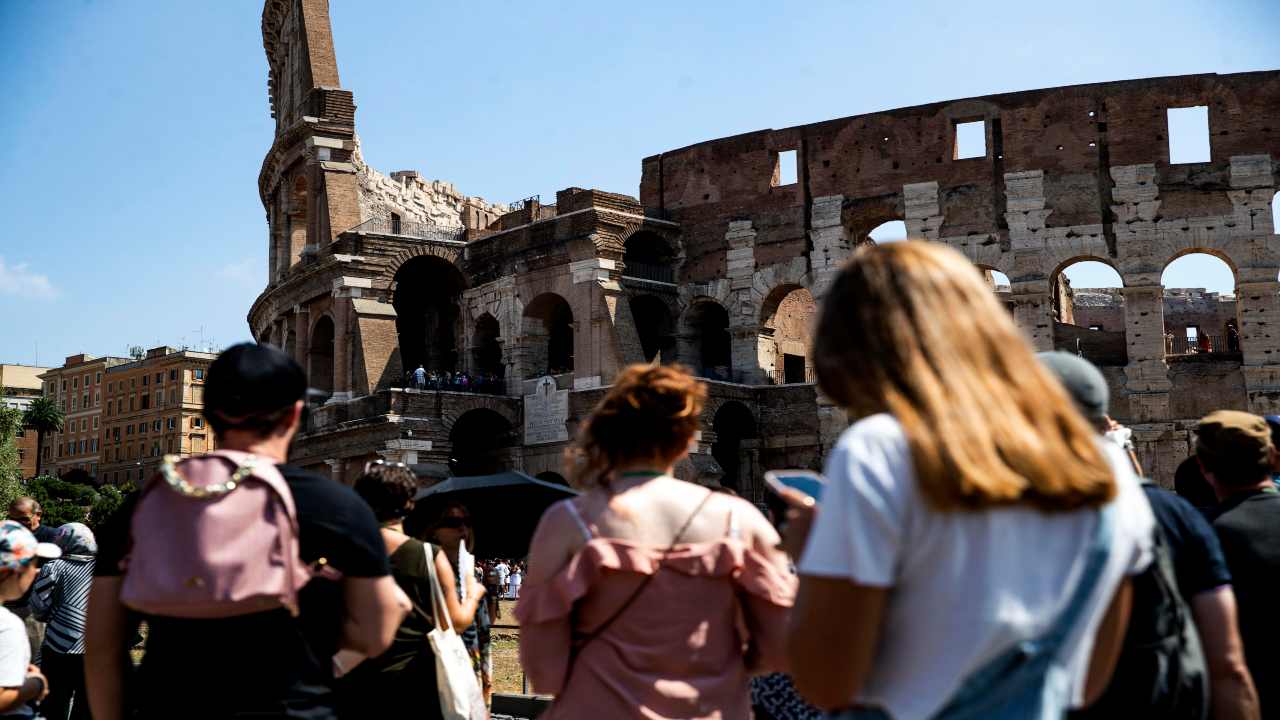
x=503, y=572
x=966, y=586
x=15, y=655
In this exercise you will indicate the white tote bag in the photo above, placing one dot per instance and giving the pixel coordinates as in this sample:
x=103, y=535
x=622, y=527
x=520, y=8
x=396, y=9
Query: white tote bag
x=460, y=695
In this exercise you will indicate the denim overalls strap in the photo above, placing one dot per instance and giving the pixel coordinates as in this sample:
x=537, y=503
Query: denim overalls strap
x=1025, y=681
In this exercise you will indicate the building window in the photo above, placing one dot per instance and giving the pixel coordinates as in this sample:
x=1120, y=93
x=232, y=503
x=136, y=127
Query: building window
x=159, y=399
x=970, y=140
x=173, y=375
x=95, y=422
x=131, y=399
x=97, y=398
x=146, y=402
x=171, y=424
x=84, y=401
x=197, y=422
x=145, y=380
x=159, y=378
x=155, y=426
x=173, y=396
x=83, y=425
x=97, y=379
x=787, y=170
x=64, y=385
x=128, y=429
x=133, y=383
x=1189, y=135
x=75, y=383
x=199, y=374
x=110, y=387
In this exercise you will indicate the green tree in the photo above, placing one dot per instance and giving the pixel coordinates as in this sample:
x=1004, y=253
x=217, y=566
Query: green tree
x=45, y=416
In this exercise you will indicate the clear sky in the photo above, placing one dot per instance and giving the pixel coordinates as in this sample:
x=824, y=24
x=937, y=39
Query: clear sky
x=136, y=129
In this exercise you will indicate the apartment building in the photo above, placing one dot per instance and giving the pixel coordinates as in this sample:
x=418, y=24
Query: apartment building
x=77, y=387
x=19, y=385
x=152, y=408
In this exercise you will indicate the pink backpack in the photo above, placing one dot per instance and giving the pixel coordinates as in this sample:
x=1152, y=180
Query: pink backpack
x=214, y=536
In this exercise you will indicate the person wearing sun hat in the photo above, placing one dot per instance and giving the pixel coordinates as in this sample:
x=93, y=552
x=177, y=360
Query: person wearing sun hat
x=21, y=556
x=1235, y=452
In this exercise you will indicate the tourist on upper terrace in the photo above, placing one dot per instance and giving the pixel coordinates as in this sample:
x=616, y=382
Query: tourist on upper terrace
x=261, y=664
x=1152, y=676
x=968, y=510
x=648, y=596
x=60, y=597
x=420, y=378
x=1235, y=451
x=401, y=682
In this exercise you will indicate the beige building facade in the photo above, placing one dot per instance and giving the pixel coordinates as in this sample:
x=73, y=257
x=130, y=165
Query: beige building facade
x=152, y=408
x=77, y=388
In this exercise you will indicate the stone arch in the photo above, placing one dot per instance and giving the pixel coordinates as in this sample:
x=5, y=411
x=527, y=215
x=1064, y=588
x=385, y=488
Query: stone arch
x=786, y=334
x=1090, y=320
x=552, y=477
x=449, y=254
x=427, y=297
x=735, y=447
x=548, y=335
x=648, y=255
x=860, y=219
x=320, y=354
x=1201, y=320
x=486, y=346
x=655, y=327
x=479, y=442
x=999, y=283
x=705, y=327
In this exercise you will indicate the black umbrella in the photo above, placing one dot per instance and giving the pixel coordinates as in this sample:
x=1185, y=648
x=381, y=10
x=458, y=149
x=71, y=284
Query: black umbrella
x=504, y=508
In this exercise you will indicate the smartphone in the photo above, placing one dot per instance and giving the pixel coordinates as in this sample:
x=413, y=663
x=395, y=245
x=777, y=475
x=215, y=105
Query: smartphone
x=806, y=481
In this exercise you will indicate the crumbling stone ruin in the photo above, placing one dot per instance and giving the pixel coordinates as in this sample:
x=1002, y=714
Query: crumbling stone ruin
x=720, y=261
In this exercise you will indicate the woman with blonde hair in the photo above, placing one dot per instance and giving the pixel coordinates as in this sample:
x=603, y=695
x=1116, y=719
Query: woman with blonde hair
x=647, y=596
x=974, y=537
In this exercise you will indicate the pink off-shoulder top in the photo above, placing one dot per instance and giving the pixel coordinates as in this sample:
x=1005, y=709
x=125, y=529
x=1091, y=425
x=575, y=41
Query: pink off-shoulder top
x=714, y=613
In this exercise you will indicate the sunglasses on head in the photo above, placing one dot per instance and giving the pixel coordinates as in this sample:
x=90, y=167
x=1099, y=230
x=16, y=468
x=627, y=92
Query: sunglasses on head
x=455, y=522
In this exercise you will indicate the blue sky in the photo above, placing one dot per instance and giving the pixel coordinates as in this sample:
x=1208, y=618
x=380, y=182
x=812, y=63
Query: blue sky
x=136, y=129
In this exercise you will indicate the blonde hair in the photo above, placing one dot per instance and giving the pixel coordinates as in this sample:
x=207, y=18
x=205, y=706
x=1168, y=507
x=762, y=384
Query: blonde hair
x=651, y=411
x=912, y=329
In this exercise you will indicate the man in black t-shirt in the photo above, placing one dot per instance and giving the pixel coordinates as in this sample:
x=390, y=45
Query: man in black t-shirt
x=266, y=664
x=1204, y=581
x=1235, y=452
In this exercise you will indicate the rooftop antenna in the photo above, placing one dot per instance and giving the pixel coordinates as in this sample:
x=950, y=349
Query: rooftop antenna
x=201, y=331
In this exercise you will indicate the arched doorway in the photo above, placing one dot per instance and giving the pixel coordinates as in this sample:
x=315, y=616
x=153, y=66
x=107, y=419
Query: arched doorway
x=1200, y=308
x=486, y=352
x=296, y=221
x=786, y=334
x=887, y=232
x=320, y=356
x=478, y=441
x=735, y=433
x=653, y=324
x=1089, y=311
x=708, y=327
x=647, y=256
x=427, y=299
x=548, y=330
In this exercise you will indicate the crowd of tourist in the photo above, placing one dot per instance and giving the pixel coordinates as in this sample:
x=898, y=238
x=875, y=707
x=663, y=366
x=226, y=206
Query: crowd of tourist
x=983, y=546
x=485, y=383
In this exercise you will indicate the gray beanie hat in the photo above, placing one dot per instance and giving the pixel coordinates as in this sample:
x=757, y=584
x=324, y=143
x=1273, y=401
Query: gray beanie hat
x=1082, y=379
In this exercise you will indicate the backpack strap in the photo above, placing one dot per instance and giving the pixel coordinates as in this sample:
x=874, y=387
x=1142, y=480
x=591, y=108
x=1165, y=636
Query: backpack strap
x=1095, y=562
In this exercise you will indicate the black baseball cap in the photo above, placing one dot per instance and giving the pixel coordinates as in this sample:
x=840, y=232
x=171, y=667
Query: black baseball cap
x=248, y=380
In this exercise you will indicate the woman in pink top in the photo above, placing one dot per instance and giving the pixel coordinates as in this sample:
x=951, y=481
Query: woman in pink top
x=646, y=596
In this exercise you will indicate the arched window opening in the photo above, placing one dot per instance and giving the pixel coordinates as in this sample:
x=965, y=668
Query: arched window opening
x=478, y=442
x=1275, y=213
x=734, y=448
x=1089, y=312
x=548, y=329
x=320, y=356
x=487, y=350
x=648, y=256
x=552, y=477
x=1200, y=307
x=427, y=300
x=708, y=323
x=892, y=231
x=786, y=335
x=653, y=323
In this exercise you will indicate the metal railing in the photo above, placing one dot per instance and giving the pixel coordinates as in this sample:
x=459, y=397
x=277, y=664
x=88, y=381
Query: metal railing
x=652, y=272
x=395, y=225
x=1201, y=345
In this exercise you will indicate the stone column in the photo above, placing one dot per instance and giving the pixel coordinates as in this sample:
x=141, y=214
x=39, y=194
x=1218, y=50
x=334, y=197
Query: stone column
x=341, y=347
x=830, y=247
x=301, y=331
x=923, y=210
x=1147, y=372
x=744, y=350
x=1033, y=312
x=1258, y=314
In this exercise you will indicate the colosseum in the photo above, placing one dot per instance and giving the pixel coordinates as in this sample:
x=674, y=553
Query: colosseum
x=520, y=314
